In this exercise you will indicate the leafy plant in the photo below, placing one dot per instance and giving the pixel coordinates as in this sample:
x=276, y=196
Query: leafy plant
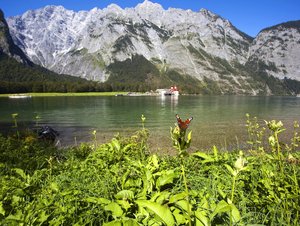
x=255, y=134
x=121, y=183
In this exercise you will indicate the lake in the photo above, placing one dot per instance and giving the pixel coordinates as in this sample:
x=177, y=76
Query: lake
x=218, y=120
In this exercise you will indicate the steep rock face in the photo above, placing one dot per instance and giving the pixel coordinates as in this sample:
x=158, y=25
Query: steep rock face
x=7, y=45
x=279, y=48
x=60, y=39
x=201, y=47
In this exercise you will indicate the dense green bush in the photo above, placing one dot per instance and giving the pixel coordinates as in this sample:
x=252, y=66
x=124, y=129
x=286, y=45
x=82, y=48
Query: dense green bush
x=121, y=183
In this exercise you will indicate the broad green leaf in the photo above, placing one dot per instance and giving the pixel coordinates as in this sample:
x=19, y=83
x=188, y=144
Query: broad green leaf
x=154, y=161
x=202, y=218
x=43, y=217
x=177, y=197
x=16, y=199
x=204, y=156
x=166, y=178
x=125, y=177
x=130, y=222
x=221, y=207
x=235, y=213
x=180, y=219
x=2, y=211
x=231, y=171
x=123, y=222
x=162, y=197
x=54, y=186
x=21, y=173
x=116, y=144
x=128, y=146
x=204, y=203
x=161, y=211
x=223, y=194
x=57, y=221
x=16, y=217
x=114, y=208
x=124, y=204
x=97, y=200
x=183, y=205
x=125, y=194
x=113, y=223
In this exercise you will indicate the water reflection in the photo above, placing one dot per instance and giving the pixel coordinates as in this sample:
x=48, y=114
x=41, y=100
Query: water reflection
x=217, y=120
x=173, y=100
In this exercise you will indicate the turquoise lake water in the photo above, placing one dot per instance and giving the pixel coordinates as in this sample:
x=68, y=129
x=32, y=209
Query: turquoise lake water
x=218, y=120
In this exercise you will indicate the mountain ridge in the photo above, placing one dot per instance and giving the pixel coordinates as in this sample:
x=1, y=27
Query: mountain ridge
x=199, y=45
x=18, y=74
x=7, y=46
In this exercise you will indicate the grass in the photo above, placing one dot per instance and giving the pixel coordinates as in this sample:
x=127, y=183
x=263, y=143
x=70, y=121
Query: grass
x=69, y=94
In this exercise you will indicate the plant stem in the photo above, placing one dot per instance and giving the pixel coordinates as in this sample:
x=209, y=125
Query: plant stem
x=278, y=151
x=297, y=188
x=232, y=196
x=233, y=188
x=187, y=192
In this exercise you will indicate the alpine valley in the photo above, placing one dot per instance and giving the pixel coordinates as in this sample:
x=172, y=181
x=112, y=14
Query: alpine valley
x=148, y=47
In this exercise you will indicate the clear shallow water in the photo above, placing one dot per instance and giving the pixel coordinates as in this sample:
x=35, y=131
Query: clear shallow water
x=218, y=120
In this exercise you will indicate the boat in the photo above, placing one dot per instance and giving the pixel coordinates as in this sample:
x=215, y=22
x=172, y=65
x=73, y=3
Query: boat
x=173, y=91
x=19, y=96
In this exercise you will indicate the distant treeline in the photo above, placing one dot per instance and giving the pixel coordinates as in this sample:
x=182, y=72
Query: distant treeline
x=19, y=78
x=292, y=85
x=61, y=87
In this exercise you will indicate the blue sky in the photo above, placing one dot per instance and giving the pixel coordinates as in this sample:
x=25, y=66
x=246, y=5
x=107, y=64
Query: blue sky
x=249, y=16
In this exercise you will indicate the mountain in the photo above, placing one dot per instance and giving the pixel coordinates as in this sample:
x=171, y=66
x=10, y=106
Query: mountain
x=279, y=48
x=7, y=45
x=148, y=47
x=19, y=74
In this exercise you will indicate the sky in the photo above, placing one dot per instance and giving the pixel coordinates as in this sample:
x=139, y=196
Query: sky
x=249, y=16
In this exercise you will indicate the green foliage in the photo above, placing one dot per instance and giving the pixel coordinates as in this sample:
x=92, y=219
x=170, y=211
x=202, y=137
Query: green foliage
x=293, y=85
x=179, y=140
x=121, y=183
x=258, y=71
x=18, y=78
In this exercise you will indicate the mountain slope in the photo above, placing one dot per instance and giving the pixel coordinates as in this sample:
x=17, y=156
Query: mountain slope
x=7, y=45
x=118, y=45
x=278, y=47
x=19, y=74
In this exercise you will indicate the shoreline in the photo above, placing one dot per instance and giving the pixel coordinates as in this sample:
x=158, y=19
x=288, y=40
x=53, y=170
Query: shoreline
x=65, y=94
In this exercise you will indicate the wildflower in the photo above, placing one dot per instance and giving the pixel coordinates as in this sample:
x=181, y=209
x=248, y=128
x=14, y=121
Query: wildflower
x=143, y=118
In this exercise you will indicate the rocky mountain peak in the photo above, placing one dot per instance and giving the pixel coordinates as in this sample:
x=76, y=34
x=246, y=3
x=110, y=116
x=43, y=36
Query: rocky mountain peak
x=198, y=45
x=148, y=6
x=7, y=45
x=114, y=7
x=208, y=14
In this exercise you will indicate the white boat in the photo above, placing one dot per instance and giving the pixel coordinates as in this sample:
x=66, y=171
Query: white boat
x=173, y=91
x=19, y=96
